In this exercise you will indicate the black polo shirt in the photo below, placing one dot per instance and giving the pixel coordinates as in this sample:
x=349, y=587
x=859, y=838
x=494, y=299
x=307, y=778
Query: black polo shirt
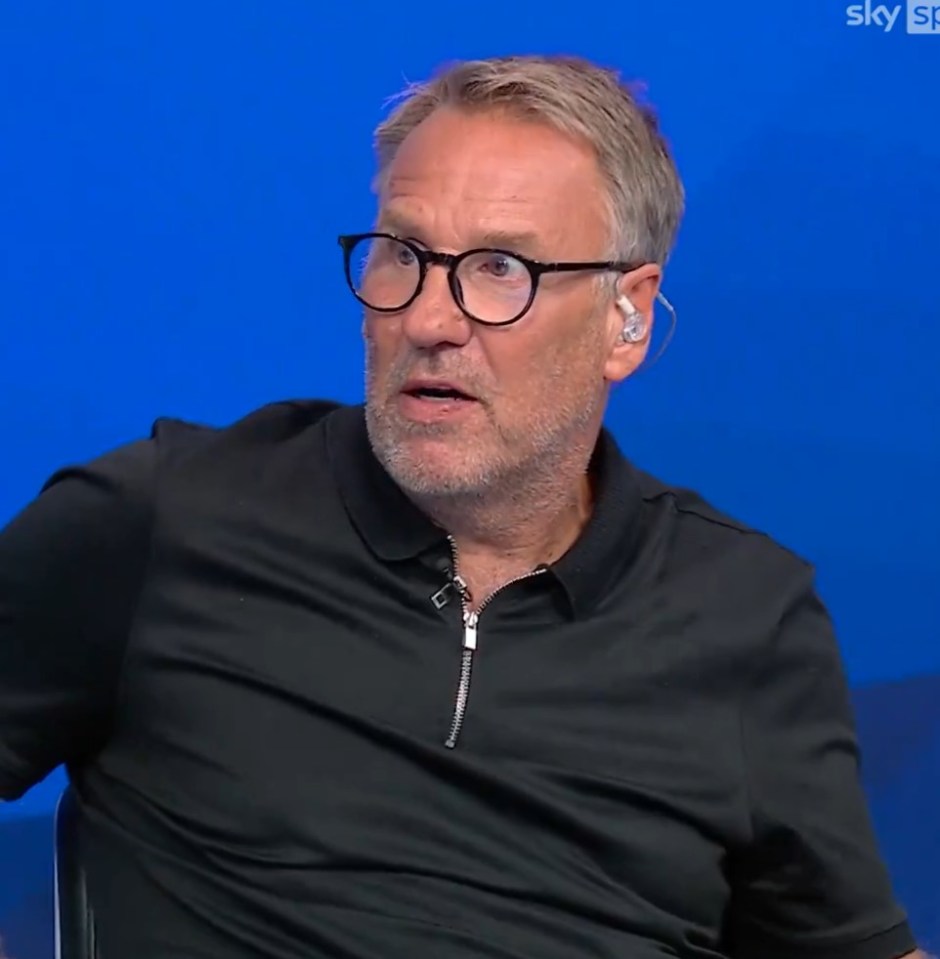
x=243, y=644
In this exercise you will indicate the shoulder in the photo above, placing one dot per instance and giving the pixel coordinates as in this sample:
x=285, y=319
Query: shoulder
x=122, y=485
x=271, y=462
x=719, y=557
x=270, y=424
x=254, y=444
x=131, y=470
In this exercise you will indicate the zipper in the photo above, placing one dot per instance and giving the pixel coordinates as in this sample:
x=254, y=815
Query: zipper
x=469, y=642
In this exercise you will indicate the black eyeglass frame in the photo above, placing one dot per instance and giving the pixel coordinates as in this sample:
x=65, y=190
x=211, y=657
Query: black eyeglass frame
x=451, y=262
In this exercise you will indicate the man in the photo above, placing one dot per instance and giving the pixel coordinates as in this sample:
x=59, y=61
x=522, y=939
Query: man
x=446, y=676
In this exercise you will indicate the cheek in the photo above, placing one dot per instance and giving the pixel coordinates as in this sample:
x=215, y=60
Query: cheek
x=526, y=373
x=381, y=338
x=372, y=328
x=556, y=366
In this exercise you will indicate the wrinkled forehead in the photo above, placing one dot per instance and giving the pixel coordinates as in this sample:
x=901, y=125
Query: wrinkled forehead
x=461, y=176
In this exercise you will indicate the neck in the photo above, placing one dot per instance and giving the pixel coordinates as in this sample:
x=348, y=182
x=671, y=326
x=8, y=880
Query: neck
x=525, y=522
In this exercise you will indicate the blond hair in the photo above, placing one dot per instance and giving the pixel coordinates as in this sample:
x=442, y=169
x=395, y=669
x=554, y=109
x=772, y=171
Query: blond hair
x=645, y=194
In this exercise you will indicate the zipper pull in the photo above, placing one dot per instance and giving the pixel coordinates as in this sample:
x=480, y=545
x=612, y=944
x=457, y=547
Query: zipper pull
x=470, y=630
x=461, y=586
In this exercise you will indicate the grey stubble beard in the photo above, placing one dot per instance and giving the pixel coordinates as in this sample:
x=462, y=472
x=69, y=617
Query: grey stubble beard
x=520, y=484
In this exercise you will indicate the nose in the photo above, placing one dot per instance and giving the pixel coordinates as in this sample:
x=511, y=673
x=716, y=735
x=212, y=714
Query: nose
x=434, y=318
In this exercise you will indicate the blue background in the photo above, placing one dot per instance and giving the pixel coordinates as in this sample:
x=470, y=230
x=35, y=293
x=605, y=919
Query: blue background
x=173, y=177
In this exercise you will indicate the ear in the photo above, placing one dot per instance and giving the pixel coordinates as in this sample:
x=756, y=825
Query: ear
x=640, y=286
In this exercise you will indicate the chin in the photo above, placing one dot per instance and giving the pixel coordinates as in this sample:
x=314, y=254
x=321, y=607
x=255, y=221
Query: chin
x=434, y=475
x=434, y=468
x=431, y=461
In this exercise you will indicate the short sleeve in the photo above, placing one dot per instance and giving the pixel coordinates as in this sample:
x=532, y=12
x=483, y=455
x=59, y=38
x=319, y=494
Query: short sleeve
x=71, y=565
x=812, y=883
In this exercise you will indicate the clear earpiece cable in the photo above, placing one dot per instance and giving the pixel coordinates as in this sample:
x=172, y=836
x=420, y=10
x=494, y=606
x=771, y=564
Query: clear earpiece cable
x=669, y=335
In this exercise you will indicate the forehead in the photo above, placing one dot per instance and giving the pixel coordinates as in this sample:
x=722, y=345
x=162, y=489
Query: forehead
x=462, y=175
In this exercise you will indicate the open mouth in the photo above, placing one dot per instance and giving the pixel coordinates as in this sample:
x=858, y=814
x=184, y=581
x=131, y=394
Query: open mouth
x=438, y=393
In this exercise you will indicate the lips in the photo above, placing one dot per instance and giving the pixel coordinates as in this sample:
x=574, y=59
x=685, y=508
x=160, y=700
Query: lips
x=436, y=390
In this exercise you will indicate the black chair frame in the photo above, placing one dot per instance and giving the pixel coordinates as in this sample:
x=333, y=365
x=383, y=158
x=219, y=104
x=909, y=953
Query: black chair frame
x=74, y=919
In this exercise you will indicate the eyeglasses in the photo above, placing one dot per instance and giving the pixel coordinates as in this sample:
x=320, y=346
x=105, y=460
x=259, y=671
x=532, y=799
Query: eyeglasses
x=493, y=287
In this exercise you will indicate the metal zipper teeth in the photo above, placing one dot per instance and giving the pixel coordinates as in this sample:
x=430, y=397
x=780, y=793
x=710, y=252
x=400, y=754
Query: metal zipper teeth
x=470, y=620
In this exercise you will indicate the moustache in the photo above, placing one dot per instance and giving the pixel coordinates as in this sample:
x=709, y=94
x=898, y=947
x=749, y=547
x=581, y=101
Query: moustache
x=468, y=381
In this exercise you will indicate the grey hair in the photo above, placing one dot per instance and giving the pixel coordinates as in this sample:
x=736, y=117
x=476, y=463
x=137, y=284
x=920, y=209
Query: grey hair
x=646, y=199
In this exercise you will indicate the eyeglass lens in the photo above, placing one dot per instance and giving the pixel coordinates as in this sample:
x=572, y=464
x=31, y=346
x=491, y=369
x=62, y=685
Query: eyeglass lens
x=492, y=286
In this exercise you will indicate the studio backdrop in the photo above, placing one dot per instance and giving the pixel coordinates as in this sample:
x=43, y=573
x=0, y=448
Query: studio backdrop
x=173, y=177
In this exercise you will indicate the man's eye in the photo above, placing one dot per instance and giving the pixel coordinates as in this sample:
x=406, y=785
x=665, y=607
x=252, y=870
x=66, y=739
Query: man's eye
x=500, y=266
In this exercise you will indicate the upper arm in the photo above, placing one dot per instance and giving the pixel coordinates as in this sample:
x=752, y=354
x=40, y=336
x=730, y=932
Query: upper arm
x=70, y=569
x=812, y=882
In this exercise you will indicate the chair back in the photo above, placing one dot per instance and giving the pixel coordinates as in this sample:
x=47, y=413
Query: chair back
x=74, y=921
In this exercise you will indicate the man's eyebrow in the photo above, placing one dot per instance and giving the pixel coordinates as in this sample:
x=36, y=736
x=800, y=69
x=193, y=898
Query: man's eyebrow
x=516, y=241
x=397, y=224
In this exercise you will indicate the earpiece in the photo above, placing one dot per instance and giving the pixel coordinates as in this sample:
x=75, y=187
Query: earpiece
x=634, y=329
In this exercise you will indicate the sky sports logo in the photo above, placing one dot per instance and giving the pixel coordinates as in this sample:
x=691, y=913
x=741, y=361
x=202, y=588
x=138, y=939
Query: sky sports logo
x=921, y=17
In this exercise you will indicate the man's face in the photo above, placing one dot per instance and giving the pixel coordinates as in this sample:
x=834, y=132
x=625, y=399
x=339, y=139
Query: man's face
x=466, y=180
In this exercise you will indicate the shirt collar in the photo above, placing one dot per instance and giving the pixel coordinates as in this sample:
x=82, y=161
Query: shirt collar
x=395, y=529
